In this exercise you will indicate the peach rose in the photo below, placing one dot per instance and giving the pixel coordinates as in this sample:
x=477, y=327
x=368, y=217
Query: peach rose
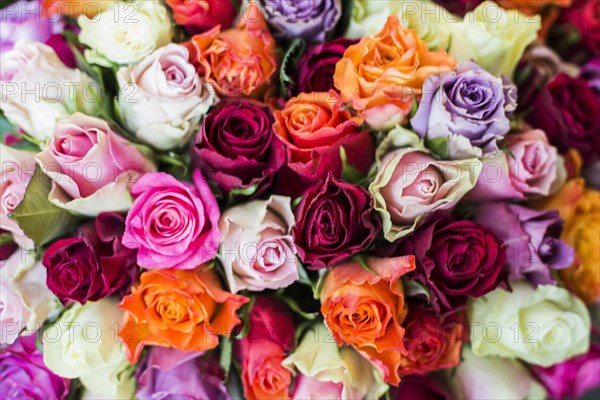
x=183, y=309
x=580, y=208
x=380, y=75
x=365, y=309
x=236, y=61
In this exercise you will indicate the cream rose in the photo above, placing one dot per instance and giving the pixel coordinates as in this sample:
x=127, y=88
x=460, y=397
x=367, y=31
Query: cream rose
x=432, y=22
x=125, y=33
x=367, y=18
x=162, y=99
x=542, y=326
x=37, y=89
x=83, y=343
x=257, y=247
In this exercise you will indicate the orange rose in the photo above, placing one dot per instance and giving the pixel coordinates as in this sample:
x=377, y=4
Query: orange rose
x=239, y=60
x=580, y=208
x=75, y=8
x=365, y=309
x=379, y=75
x=184, y=309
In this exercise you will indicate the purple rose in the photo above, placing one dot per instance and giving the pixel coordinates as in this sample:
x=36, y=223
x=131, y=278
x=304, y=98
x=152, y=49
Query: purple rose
x=23, y=374
x=334, y=221
x=92, y=265
x=171, y=374
x=314, y=72
x=310, y=20
x=531, y=239
x=468, y=107
x=237, y=148
x=572, y=378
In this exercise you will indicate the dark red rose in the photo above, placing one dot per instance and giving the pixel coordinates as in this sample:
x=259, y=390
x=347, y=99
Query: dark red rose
x=420, y=387
x=92, y=265
x=237, y=148
x=197, y=16
x=459, y=7
x=6, y=249
x=260, y=353
x=314, y=71
x=568, y=111
x=432, y=342
x=334, y=221
x=455, y=259
x=581, y=20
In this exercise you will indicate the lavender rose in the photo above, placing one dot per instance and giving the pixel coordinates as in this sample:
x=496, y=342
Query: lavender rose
x=23, y=374
x=469, y=107
x=310, y=20
x=531, y=239
x=169, y=373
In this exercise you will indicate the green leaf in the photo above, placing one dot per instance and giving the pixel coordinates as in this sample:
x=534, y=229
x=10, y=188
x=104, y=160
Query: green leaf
x=439, y=147
x=318, y=287
x=297, y=201
x=414, y=288
x=303, y=275
x=6, y=238
x=245, y=317
x=249, y=191
x=291, y=56
x=173, y=159
x=293, y=304
x=226, y=355
x=363, y=263
x=415, y=106
x=349, y=173
x=39, y=219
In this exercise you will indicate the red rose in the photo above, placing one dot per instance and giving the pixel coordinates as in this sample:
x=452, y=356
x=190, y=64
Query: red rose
x=201, y=15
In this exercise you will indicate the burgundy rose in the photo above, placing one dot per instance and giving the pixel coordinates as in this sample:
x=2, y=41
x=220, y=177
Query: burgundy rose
x=455, y=259
x=591, y=73
x=23, y=374
x=92, y=265
x=314, y=71
x=420, y=387
x=8, y=248
x=568, y=111
x=582, y=19
x=237, y=148
x=531, y=239
x=459, y=7
x=334, y=221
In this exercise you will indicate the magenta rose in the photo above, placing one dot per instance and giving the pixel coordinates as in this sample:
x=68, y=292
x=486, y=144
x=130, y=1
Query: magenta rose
x=23, y=374
x=571, y=379
x=168, y=373
x=91, y=166
x=236, y=147
x=314, y=71
x=92, y=265
x=334, y=221
x=531, y=239
x=173, y=224
x=568, y=111
x=455, y=259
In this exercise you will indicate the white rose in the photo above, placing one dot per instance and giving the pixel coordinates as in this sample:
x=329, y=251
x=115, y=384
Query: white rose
x=493, y=37
x=25, y=300
x=37, y=89
x=83, y=343
x=432, y=22
x=162, y=99
x=368, y=17
x=125, y=33
x=541, y=326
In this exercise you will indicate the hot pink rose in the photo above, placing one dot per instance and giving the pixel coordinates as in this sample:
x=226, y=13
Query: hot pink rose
x=17, y=168
x=92, y=166
x=173, y=224
x=530, y=168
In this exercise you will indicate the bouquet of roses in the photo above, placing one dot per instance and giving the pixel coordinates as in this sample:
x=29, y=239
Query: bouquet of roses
x=307, y=199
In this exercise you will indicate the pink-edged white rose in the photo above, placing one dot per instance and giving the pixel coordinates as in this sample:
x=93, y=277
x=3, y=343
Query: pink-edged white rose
x=531, y=168
x=25, y=300
x=173, y=224
x=17, y=167
x=162, y=99
x=37, y=89
x=257, y=249
x=91, y=166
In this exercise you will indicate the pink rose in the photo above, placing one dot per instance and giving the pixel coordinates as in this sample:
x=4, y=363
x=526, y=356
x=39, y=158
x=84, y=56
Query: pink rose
x=15, y=173
x=92, y=166
x=173, y=224
x=258, y=250
x=313, y=389
x=531, y=168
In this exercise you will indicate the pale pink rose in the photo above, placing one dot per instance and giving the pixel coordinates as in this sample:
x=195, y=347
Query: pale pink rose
x=173, y=224
x=410, y=184
x=16, y=171
x=91, y=166
x=308, y=388
x=531, y=168
x=162, y=99
x=25, y=300
x=257, y=249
